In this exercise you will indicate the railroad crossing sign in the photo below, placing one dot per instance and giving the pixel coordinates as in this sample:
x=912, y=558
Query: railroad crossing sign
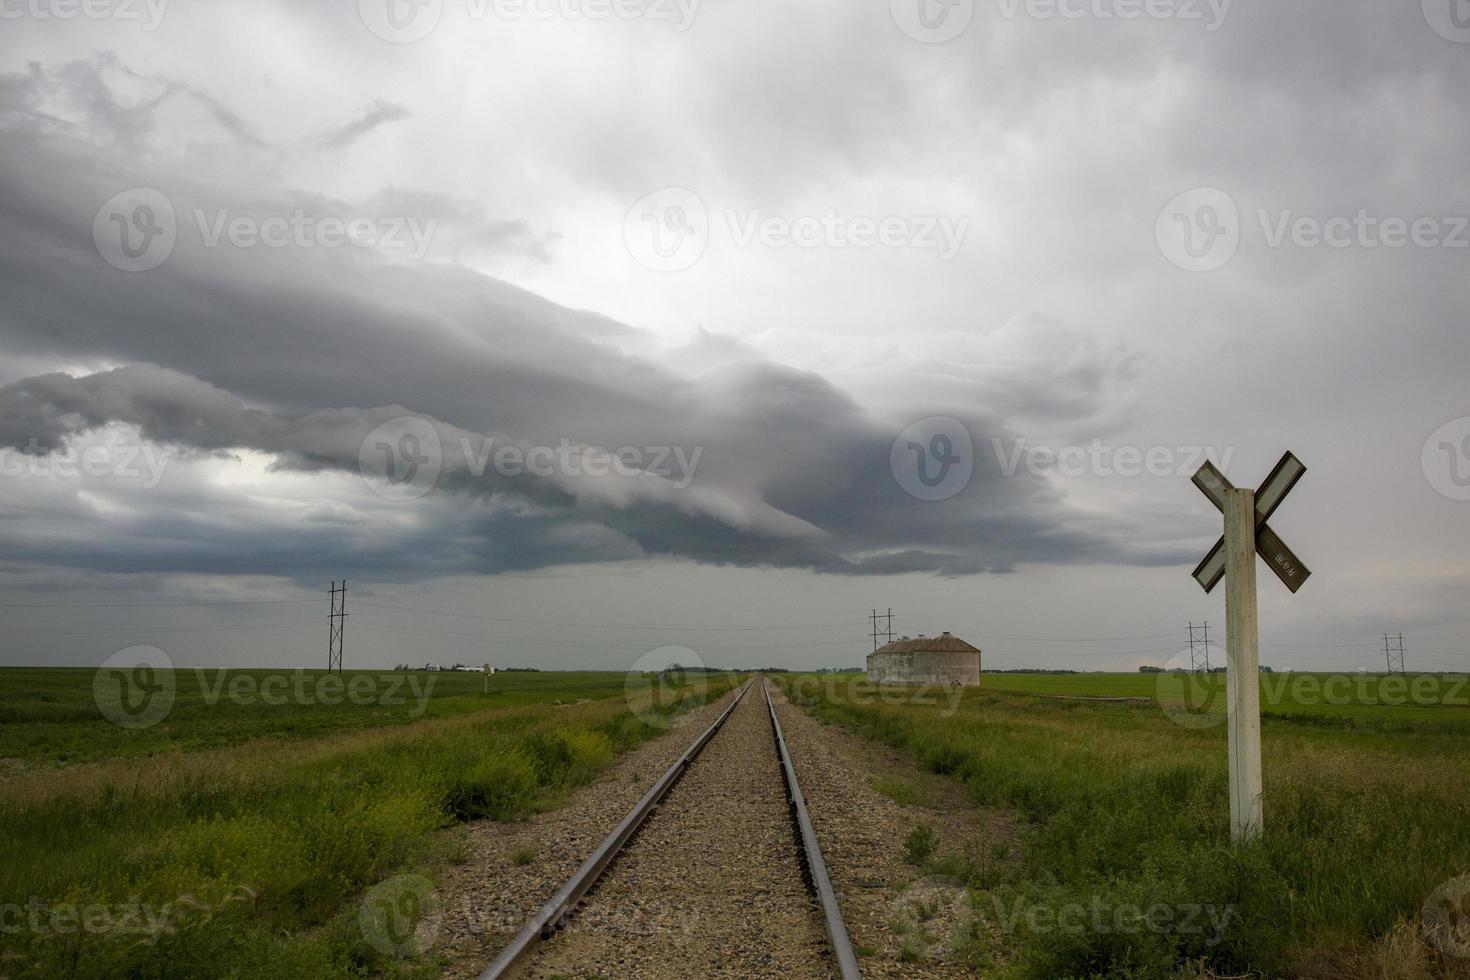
x=1234, y=559
x=1279, y=558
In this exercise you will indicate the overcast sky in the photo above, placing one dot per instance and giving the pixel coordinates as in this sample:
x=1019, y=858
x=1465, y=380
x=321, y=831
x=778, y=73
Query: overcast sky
x=567, y=331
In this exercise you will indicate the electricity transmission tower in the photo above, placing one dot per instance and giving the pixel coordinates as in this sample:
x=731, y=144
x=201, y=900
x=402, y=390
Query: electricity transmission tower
x=1199, y=648
x=1393, y=652
x=337, y=626
x=886, y=631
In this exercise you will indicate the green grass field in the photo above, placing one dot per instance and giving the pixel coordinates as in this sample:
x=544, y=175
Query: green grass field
x=1124, y=809
x=50, y=714
x=237, y=838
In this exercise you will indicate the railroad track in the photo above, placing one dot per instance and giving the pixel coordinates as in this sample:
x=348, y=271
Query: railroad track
x=743, y=790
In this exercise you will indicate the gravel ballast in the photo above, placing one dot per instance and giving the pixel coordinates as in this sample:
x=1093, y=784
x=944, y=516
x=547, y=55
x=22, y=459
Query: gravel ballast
x=486, y=900
x=903, y=922
x=711, y=886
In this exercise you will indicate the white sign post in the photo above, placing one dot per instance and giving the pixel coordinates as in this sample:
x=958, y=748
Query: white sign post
x=1234, y=559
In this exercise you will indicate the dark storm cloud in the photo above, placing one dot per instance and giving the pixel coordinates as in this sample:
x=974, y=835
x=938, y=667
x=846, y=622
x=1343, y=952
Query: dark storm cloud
x=300, y=352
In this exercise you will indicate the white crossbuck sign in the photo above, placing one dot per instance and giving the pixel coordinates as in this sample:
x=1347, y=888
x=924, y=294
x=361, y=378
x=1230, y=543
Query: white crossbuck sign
x=1278, y=556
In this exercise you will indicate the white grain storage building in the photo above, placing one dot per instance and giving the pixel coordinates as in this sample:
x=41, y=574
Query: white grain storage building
x=945, y=659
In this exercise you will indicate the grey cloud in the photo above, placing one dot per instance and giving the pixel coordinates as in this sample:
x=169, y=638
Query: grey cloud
x=380, y=113
x=299, y=353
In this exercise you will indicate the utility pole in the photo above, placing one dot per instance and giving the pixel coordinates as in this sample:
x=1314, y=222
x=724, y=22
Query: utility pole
x=337, y=626
x=1393, y=652
x=886, y=632
x=1199, y=648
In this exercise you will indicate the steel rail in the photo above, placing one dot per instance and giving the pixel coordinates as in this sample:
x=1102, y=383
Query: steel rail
x=821, y=882
x=554, y=914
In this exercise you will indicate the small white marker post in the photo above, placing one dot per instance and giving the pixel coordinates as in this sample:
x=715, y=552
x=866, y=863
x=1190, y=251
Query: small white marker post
x=1234, y=559
x=1242, y=674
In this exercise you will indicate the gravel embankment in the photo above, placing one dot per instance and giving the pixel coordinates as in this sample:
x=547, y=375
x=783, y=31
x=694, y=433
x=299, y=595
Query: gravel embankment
x=487, y=900
x=902, y=922
x=711, y=887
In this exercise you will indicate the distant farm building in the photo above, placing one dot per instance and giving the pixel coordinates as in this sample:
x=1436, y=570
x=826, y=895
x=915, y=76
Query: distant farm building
x=945, y=659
